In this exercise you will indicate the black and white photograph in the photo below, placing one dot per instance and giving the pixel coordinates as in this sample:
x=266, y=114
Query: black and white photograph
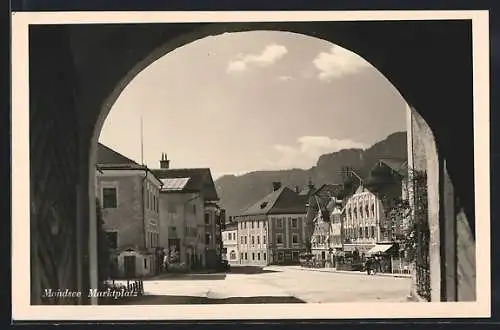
x=250, y=165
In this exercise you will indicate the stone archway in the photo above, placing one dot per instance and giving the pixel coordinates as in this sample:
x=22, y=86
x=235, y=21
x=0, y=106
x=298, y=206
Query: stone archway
x=106, y=57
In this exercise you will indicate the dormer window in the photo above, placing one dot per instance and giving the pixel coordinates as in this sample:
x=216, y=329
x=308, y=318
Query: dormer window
x=263, y=205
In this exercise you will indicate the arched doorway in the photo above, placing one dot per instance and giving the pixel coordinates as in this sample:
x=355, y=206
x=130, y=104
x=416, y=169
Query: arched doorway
x=102, y=65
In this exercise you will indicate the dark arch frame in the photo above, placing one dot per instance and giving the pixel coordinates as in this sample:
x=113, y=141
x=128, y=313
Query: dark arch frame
x=407, y=53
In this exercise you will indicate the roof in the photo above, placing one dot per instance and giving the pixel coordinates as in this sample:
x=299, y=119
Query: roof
x=106, y=155
x=174, y=184
x=281, y=201
x=231, y=226
x=398, y=165
x=108, y=159
x=200, y=180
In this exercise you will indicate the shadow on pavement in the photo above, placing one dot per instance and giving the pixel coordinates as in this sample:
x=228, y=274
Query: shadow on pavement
x=190, y=300
x=191, y=277
x=248, y=270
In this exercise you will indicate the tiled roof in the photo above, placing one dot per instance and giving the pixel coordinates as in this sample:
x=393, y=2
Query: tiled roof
x=200, y=179
x=281, y=201
x=106, y=155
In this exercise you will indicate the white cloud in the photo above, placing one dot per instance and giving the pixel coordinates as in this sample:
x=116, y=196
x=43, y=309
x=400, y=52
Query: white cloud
x=269, y=55
x=337, y=63
x=308, y=150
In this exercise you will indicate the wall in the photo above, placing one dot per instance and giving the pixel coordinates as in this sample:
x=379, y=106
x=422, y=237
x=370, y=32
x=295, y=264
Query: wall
x=231, y=245
x=354, y=221
x=256, y=227
x=177, y=211
x=287, y=232
x=140, y=270
x=423, y=157
x=127, y=217
x=152, y=211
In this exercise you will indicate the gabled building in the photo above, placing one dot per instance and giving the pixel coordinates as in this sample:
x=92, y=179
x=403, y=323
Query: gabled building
x=318, y=217
x=191, y=220
x=129, y=197
x=272, y=230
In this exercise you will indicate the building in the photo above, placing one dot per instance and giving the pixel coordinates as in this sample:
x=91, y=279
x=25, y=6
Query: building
x=388, y=178
x=363, y=216
x=230, y=240
x=272, y=230
x=129, y=196
x=319, y=205
x=189, y=217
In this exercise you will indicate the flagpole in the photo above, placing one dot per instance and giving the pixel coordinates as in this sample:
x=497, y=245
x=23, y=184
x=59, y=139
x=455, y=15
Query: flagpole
x=142, y=142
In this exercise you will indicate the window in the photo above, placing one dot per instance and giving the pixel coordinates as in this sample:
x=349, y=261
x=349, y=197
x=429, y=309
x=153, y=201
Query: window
x=194, y=209
x=258, y=224
x=373, y=232
x=279, y=239
x=246, y=239
x=280, y=256
x=253, y=256
x=258, y=239
x=253, y=240
x=241, y=239
x=295, y=255
x=366, y=232
x=263, y=239
x=294, y=223
x=258, y=256
x=373, y=210
x=360, y=232
x=279, y=223
x=207, y=218
x=147, y=200
x=112, y=237
x=145, y=263
x=232, y=255
x=252, y=224
x=109, y=198
x=245, y=225
x=241, y=255
x=264, y=256
x=246, y=256
x=207, y=238
x=295, y=239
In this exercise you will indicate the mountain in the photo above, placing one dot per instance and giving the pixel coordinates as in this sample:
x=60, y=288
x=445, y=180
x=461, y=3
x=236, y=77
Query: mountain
x=239, y=192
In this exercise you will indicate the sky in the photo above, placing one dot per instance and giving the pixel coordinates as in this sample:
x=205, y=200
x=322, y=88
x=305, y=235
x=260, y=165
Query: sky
x=246, y=101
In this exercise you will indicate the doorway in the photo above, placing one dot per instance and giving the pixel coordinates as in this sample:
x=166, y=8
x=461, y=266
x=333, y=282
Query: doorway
x=129, y=266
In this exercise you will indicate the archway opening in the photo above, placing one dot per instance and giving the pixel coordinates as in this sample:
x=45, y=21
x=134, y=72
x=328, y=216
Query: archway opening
x=327, y=63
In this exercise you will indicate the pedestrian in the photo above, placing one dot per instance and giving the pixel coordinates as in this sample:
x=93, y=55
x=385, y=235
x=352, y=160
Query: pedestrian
x=165, y=262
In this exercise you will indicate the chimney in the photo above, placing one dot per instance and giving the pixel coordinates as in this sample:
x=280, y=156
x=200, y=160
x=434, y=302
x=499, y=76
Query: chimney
x=164, y=162
x=276, y=185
